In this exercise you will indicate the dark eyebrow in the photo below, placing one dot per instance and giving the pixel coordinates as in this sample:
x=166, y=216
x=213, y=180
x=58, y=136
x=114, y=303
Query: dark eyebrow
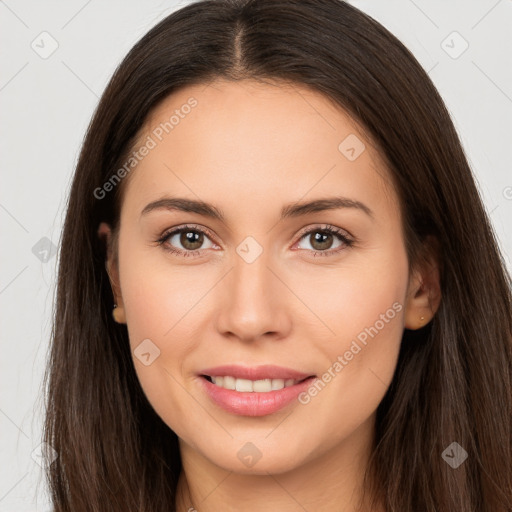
x=320, y=205
x=184, y=205
x=291, y=210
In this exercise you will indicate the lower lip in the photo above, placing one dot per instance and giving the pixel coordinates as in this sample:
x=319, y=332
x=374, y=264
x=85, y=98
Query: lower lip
x=254, y=403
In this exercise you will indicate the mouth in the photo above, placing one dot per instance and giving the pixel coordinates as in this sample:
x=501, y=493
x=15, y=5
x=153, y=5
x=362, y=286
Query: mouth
x=253, y=391
x=250, y=386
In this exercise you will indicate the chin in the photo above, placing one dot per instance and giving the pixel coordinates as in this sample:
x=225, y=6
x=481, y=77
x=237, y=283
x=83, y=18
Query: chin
x=249, y=460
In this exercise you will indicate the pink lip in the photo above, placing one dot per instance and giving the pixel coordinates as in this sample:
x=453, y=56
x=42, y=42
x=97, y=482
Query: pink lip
x=254, y=403
x=254, y=373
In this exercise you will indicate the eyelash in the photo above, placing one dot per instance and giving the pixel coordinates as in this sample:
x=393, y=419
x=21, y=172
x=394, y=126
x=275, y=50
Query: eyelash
x=332, y=230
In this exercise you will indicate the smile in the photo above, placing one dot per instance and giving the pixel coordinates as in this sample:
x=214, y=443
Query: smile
x=257, y=391
x=247, y=386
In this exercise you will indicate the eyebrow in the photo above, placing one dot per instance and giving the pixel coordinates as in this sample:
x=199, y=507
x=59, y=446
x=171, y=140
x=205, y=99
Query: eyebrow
x=291, y=210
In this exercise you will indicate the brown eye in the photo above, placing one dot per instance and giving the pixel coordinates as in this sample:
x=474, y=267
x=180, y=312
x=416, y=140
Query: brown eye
x=321, y=241
x=191, y=240
x=186, y=240
x=326, y=241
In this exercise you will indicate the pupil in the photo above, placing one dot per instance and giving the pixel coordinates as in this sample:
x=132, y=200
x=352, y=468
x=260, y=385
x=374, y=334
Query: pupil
x=189, y=238
x=321, y=239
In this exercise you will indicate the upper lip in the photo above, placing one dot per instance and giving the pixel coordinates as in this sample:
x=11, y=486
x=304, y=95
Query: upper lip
x=255, y=372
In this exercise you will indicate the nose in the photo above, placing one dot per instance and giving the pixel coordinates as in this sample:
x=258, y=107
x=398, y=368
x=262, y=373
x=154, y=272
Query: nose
x=253, y=302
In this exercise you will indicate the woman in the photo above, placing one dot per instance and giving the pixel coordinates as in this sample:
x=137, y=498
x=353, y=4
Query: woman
x=309, y=307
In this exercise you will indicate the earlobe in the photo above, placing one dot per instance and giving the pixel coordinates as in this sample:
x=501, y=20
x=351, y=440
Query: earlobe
x=118, y=314
x=418, y=309
x=424, y=293
x=105, y=233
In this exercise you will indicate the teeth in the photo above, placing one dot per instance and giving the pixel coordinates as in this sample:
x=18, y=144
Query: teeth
x=277, y=384
x=225, y=382
x=247, y=386
x=243, y=385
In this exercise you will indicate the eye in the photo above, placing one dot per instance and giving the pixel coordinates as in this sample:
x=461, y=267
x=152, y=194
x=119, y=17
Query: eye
x=190, y=238
x=322, y=240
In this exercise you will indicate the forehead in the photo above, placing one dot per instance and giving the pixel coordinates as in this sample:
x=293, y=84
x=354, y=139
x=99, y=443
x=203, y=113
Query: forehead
x=247, y=139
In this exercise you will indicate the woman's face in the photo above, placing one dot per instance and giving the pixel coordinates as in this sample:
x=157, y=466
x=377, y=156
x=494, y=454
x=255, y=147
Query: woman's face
x=256, y=283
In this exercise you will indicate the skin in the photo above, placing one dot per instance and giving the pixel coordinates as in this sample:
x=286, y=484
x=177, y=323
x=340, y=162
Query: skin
x=249, y=149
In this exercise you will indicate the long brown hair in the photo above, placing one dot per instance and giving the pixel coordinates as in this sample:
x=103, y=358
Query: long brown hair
x=453, y=382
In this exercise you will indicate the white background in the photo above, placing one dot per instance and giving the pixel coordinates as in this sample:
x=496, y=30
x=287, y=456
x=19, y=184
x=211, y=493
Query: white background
x=46, y=105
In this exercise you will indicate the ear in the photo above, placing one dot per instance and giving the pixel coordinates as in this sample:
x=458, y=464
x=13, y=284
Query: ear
x=105, y=234
x=424, y=290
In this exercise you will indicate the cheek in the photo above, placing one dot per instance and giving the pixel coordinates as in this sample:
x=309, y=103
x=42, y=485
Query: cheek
x=157, y=295
x=160, y=304
x=365, y=289
x=366, y=313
